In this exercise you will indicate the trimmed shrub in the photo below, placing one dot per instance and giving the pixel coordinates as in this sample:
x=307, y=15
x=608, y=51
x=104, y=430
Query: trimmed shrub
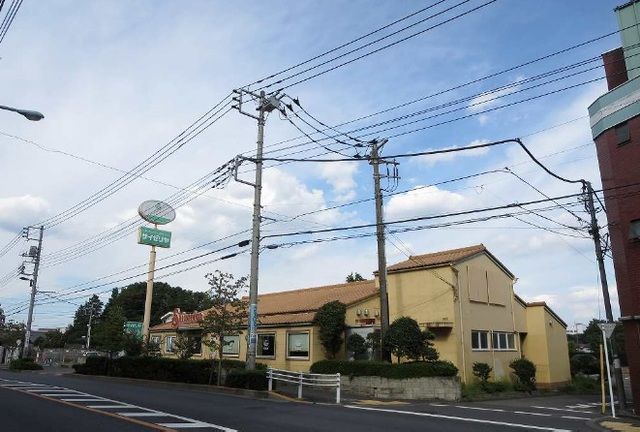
x=482, y=371
x=525, y=370
x=157, y=368
x=358, y=346
x=385, y=370
x=24, y=364
x=585, y=364
x=247, y=379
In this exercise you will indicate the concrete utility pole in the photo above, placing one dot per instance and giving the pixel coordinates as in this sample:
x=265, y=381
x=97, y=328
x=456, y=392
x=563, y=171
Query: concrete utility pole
x=382, y=259
x=26, y=346
x=594, y=230
x=266, y=104
x=89, y=327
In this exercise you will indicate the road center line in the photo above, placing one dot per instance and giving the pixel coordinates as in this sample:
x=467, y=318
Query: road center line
x=480, y=408
x=448, y=417
x=575, y=418
x=561, y=409
x=533, y=413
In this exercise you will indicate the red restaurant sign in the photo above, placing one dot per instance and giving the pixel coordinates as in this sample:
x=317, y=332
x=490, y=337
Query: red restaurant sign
x=185, y=318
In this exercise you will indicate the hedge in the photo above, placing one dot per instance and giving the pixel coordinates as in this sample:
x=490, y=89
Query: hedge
x=247, y=379
x=157, y=368
x=438, y=368
x=24, y=364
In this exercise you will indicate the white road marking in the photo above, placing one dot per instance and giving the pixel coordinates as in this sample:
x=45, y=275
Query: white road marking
x=575, y=418
x=561, y=409
x=480, y=408
x=448, y=417
x=61, y=395
x=110, y=406
x=142, y=414
x=438, y=405
x=186, y=425
x=93, y=399
x=532, y=413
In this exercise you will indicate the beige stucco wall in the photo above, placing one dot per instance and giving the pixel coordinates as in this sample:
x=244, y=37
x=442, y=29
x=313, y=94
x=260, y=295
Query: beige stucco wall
x=546, y=346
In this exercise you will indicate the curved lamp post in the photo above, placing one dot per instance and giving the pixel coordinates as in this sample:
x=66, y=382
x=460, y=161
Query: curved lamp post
x=29, y=114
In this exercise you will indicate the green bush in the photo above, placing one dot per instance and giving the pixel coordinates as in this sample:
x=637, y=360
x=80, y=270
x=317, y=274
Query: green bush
x=495, y=386
x=24, y=364
x=586, y=364
x=482, y=371
x=247, y=379
x=582, y=385
x=358, y=346
x=525, y=371
x=385, y=370
x=157, y=368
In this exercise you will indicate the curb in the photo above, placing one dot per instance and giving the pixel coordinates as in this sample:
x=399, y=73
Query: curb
x=253, y=394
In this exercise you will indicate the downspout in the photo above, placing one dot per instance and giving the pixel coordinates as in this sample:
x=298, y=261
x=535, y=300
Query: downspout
x=513, y=320
x=459, y=296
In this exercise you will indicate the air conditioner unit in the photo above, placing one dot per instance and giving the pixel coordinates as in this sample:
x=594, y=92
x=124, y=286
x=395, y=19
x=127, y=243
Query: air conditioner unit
x=359, y=312
x=366, y=312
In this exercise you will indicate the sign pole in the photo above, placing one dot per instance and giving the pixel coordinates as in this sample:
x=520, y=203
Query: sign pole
x=606, y=357
x=149, y=294
x=603, y=391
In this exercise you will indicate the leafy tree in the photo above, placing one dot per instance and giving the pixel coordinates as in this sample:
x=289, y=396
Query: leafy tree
x=228, y=313
x=405, y=339
x=358, y=346
x=586, y=364
x=330, y=320
x=375, y=344
x=91, y=309
x=354, y=277
x=51, y=339
x=482, y=371
x=10, y=333
x=109, y=335
x=133, y=346
x=525, y=370
x=165, y=299
x=593, y=336
x=184, y=346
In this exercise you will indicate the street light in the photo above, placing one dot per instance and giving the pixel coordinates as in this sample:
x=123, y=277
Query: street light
x=29, y=114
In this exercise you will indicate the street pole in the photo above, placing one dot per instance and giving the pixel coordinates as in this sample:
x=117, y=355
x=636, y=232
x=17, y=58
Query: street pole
x=26, y=346
x=382, y=260
x=266, y=104
x=89, y=327
x=149, y=294
x=594, y=230
x=606, y=356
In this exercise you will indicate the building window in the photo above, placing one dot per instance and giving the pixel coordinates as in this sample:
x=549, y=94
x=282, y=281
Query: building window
x=231, y=345
x=503, y=341
x=197, y=344
x=480, y=340
x=298, y=345
x=170, y=341
x=266, y=345
x=155, y=340
x=634, y=229
x=622, y=133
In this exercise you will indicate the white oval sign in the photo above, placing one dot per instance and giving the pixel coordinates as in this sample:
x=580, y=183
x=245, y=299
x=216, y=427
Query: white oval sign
x=156, y=212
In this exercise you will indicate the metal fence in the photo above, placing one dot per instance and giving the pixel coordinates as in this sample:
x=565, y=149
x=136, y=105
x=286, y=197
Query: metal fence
x=305, y=379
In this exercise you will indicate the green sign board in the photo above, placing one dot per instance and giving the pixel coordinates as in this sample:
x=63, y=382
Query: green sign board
x=134, y=328
x=154, y=237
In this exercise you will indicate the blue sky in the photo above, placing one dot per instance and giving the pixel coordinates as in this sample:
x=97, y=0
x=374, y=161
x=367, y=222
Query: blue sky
x=117, y=80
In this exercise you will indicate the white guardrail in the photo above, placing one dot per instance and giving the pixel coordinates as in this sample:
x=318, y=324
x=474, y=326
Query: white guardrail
x=305, y=379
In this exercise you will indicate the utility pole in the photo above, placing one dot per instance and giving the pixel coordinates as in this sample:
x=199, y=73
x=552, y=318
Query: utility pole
x=89, y=326
x=266, y=104
x=26, y=346
x=375, y=161
x=594, y=230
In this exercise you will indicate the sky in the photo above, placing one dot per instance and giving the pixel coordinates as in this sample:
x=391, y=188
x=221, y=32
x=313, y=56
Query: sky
x=118, y=80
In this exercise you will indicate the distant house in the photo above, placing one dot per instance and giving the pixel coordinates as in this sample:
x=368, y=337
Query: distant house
x=464, y=296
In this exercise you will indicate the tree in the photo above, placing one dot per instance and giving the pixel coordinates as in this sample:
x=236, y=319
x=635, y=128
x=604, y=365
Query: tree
x=405, y=339
x=593, y=336
x=51, y=339
x=228, y=313
x=354, y=277
x=482, y=371
x=12, y=334
x=110, y=335
x=330, y=320
x=91, y=309
x=358, y=346
x=184, y=346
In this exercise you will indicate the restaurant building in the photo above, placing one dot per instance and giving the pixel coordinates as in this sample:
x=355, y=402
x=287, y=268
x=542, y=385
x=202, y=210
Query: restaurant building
x=464, y=296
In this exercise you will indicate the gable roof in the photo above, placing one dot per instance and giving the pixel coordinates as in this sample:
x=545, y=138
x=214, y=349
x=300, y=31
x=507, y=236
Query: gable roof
x=299, y=306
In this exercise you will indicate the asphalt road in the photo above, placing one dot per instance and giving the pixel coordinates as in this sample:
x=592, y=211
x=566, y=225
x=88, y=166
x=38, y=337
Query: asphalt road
x=31, y=401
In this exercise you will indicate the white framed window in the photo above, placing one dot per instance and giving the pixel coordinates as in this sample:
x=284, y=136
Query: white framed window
x=298, y=345
x=231, y=345
x=266, y=345
x=169, y=343
x=503, y=341
x=480, y=340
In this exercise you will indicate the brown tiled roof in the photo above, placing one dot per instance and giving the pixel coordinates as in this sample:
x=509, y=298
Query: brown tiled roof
x=437, y=258
x=299, y=306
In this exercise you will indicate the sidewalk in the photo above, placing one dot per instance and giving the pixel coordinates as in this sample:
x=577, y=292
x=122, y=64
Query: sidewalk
x=624, y=424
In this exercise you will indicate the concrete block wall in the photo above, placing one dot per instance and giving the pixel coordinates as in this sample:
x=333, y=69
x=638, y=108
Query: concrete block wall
x=443, y=388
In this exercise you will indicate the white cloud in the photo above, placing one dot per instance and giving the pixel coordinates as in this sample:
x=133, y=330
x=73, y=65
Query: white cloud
x=340, y=175
x=432, y=160
x=14, y=211
x=422, y=201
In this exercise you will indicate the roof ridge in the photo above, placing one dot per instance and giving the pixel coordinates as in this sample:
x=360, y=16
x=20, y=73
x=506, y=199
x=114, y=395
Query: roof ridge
x=319, y=287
